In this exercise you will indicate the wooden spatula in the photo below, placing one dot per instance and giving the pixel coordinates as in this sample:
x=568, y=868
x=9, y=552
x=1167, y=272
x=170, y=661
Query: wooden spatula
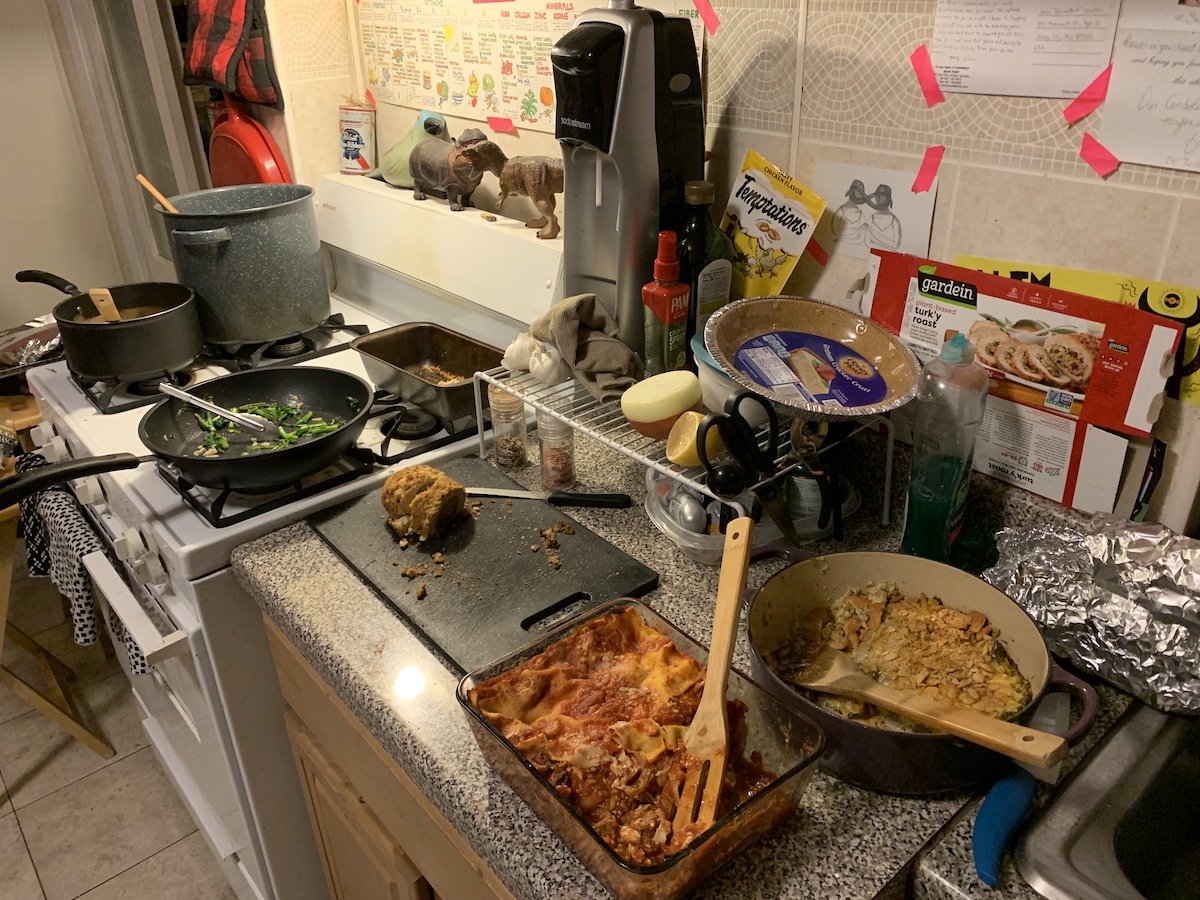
x=708, y=736
x=102, y=299
x=832, y=672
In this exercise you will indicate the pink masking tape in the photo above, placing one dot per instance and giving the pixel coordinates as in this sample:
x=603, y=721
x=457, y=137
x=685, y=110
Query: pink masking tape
x=817, y=252
x=1099, y=157
x=500, y=124
x=926, y=77
x=1089, y=98
x=707, y=15
x=929, y=169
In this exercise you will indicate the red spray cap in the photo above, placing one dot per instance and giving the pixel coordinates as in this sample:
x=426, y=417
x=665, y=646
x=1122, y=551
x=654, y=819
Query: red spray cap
x=666, y=267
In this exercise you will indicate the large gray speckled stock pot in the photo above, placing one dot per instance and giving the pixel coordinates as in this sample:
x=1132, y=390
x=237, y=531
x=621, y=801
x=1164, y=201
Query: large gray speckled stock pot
x=251, y=254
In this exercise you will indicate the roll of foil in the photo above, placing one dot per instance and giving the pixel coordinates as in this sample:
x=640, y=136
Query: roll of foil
x=1117, y=598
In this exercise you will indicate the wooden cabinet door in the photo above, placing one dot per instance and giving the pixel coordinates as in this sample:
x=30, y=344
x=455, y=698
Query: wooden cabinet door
x=361, y=860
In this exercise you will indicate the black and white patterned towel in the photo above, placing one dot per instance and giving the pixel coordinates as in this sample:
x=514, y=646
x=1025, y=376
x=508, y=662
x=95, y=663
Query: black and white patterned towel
x=57, y=537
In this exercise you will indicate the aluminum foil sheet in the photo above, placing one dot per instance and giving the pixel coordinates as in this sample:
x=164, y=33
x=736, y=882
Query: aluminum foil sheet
x=1117, y=598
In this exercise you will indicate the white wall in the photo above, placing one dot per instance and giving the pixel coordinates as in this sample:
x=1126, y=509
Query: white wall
x=52, y=213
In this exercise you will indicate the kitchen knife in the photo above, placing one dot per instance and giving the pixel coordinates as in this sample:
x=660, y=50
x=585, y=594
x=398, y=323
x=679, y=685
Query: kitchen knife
x=558, y=498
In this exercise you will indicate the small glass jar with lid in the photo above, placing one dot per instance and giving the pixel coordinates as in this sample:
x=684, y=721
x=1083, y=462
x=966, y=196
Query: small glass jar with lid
x=508, y=428
x=557, y=442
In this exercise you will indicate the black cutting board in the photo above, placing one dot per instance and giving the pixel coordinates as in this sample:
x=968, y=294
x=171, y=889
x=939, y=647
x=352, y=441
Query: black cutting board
x=495, y=594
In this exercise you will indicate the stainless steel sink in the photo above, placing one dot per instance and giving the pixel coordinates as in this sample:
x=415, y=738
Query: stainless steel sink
x=1127, y=824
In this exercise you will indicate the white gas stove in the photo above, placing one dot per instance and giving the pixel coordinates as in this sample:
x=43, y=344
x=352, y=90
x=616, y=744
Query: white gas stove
x=211, y=703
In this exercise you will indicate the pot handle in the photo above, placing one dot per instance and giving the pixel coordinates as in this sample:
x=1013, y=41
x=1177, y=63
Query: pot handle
x=774, y=551
x=1061, y=679
x=206, y=239
x=780, y=551
x=18, y=487
x=46, y=278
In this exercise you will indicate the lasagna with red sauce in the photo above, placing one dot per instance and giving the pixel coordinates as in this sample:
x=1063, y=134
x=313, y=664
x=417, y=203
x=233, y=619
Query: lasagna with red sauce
x=602, y=715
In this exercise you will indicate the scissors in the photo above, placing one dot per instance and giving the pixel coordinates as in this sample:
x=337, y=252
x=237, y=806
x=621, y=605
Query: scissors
x=752, y=468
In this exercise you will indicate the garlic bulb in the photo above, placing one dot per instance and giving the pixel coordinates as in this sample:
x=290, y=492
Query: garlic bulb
x=547, y=365
x=516, y=357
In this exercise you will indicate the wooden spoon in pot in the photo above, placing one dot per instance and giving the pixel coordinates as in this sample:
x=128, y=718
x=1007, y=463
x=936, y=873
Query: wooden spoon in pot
x=102, y=299
x=833, y=672
x=707, y=737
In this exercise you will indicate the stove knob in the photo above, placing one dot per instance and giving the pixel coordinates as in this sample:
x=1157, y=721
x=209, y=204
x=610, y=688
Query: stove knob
x=42, y=433
x=129, y=545
x=55, y=450
x=152, y=566
x=88, y=491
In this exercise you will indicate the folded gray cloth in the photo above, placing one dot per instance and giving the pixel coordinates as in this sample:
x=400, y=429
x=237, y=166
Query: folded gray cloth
x=584, y=332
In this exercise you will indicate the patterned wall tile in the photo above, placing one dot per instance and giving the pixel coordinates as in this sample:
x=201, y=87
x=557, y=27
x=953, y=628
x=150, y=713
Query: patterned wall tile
x=752, y=65
x=859, y=90
x=311, y=38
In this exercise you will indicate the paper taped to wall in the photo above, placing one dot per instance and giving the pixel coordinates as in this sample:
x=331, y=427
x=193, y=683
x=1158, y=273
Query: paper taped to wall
x=477, y=60
x=1022, y=48
x=1152, y=114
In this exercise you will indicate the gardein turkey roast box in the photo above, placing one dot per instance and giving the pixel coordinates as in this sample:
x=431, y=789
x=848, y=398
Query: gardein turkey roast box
x=1062, y=366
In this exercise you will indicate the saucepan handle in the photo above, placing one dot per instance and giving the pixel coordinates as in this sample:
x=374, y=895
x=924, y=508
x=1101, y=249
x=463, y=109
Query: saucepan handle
x=18, y=487
x=208, y=241
x=55, y=281
x=1062, y=680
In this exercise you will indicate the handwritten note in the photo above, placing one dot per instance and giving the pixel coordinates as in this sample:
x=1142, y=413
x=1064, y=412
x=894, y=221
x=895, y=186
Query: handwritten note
x=1152, y=114
x=1022, y=48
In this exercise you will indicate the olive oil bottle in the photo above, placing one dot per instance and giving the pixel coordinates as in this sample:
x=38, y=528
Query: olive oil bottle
x=706, y=260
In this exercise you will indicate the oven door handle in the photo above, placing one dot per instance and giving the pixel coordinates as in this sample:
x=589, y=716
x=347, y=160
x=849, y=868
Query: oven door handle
x=154, y=646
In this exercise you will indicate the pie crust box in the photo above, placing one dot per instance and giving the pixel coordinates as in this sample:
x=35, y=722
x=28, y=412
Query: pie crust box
x=1072, y=378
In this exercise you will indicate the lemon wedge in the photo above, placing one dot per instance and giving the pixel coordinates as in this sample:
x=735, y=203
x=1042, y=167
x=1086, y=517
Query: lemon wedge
x=681, y=442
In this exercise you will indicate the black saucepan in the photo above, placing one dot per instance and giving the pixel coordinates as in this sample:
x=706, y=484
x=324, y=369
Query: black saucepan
x=895, y=761
x=172, y=433
x=163, y=338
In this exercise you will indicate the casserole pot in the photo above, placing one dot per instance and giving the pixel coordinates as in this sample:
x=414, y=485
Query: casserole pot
x=895, y=761
x=133, y=349
x=252, y=255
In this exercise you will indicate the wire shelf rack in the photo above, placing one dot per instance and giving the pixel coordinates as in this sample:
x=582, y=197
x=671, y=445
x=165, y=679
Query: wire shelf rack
x=571, y=403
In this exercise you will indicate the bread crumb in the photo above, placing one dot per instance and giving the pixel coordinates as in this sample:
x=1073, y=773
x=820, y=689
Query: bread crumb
x=554, y=559
x=549, y=538
x=439, y=559
x=493, y=500
x=421, y=591
x=535, y=547
x=404, y=544
x=412, y=571
x=508, y=502
x=437, y=573
x=564, y=527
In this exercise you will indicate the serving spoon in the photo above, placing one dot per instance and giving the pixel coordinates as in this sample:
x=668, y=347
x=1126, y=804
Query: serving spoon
x=707, y=737
x=833, y=672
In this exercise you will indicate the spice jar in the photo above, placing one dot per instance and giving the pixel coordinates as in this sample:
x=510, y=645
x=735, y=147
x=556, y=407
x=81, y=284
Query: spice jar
x=508, y=427
x=557, y=442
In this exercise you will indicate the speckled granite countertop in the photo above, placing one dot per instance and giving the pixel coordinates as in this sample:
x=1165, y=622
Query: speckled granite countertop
x=844, y=843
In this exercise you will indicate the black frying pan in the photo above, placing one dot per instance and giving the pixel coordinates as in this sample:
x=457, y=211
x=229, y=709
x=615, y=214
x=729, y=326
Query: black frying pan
x=172, y=433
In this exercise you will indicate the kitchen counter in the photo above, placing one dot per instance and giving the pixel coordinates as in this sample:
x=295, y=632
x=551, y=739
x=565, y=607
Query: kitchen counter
x=845, y=842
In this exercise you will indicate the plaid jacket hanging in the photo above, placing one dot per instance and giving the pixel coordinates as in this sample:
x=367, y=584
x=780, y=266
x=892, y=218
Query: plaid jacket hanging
x=229, y=48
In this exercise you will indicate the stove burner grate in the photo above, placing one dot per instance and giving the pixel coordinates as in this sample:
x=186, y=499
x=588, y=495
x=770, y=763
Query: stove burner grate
x=211, y=504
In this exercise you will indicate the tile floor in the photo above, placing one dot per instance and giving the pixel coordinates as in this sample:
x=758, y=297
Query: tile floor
x=73, y=825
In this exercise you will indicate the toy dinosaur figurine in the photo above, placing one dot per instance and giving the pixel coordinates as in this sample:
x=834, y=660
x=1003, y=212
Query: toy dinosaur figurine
x=537, y=177
x=446, y=169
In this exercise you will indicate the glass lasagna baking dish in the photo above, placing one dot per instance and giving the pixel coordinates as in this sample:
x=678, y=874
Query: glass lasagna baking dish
x=790, y=745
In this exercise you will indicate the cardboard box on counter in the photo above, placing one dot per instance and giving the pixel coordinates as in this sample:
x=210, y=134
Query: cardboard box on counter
x=1072, y=377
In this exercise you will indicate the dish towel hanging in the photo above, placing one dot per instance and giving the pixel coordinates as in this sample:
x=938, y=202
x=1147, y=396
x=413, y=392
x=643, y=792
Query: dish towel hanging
x=229, y=48
x=57, y=537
